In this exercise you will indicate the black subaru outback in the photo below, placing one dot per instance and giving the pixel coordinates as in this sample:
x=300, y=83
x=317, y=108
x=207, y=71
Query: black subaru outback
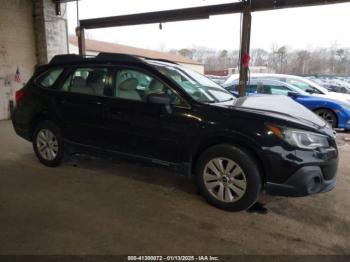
x=160, y=112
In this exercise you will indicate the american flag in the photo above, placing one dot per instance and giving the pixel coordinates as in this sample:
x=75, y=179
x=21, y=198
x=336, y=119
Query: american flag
x=18, y=76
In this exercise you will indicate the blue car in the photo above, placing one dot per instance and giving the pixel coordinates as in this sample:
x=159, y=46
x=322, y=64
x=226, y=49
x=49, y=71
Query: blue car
x=336, y=113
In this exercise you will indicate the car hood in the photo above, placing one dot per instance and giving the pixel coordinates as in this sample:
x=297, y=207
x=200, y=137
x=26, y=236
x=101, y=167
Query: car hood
x=277, y=106
x=345, y=98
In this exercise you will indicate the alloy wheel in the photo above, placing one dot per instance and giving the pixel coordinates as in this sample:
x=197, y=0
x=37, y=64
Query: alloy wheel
x=327, y=116
x=225, y=179
x=47, y=144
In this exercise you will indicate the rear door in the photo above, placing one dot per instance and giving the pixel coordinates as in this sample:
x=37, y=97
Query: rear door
x=79, y=104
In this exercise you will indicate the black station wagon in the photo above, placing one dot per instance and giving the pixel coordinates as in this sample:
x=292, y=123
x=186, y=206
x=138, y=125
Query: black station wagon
x=160, y=112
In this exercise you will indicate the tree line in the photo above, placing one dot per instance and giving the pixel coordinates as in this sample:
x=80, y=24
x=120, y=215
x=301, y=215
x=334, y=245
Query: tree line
x=279, y=59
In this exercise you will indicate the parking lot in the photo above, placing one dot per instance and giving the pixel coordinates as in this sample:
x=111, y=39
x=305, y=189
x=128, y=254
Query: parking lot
x=97, y=206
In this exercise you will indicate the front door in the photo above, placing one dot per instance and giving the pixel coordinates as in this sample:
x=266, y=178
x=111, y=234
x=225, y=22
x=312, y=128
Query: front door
x=138, y=127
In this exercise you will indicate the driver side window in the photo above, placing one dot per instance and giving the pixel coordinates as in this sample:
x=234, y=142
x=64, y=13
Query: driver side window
x=137, y=86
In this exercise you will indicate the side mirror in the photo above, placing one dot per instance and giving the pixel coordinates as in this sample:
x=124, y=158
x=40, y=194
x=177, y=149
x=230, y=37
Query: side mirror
x=293, y=94
x=160, y=99
x=310, y=91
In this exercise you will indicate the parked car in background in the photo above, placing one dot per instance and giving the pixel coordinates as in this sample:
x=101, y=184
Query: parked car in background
x=163, y=113
x=337, y=85
x=301, y=83
x=332, y=83
x=338, y=89
x=218, y=79
x=336, y=113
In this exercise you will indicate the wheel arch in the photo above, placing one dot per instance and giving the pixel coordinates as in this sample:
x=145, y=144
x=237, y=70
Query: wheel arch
x=44, y=116
x=244, y=144
x=328, y=109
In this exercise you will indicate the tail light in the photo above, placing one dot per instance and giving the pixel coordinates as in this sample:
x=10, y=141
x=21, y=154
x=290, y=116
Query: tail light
x=19, y=95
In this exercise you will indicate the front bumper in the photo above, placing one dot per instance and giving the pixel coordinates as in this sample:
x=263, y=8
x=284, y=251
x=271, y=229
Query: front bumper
x=307, y=180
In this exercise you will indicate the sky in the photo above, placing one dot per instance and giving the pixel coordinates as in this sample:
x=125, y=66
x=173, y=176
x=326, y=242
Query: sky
x=297, y=28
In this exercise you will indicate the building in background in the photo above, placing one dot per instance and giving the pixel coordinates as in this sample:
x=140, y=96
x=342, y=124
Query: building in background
x=31, y=32
x=93, y=47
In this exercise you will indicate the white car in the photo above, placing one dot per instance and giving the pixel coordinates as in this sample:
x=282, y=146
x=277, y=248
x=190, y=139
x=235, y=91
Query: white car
x=301, y=83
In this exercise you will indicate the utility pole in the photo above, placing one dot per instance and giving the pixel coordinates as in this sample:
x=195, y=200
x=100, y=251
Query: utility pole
x=245, y=47
x=80, y=32
x=81, y=39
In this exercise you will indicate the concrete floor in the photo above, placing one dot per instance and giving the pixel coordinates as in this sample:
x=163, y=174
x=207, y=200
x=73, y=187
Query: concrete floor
x=91, y=206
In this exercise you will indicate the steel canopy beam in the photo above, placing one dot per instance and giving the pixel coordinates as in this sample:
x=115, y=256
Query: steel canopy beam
x=194, y=13
x=184, y=14
x=266, y=5
x=203, y=12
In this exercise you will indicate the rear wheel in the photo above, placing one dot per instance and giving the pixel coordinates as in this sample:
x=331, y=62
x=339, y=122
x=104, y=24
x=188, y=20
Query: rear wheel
x=228, y=178
x=328, y=116
x=48, y=144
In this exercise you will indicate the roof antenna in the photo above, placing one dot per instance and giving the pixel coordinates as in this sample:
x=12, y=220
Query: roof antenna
x=160, y=26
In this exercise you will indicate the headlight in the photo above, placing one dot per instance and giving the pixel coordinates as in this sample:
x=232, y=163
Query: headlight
x=299, y=138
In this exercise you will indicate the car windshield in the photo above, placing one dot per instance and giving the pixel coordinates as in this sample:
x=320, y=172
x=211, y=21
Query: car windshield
x=307, y=82
x=199, y=87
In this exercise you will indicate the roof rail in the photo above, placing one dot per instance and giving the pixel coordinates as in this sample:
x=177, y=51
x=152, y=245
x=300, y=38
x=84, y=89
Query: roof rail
x=161, y=60
x=111, y=57
x=103, y=57
x=69, y=58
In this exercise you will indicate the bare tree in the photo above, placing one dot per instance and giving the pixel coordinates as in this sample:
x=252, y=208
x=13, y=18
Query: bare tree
x=282, y=58
x=332, y=60
x=259, y=57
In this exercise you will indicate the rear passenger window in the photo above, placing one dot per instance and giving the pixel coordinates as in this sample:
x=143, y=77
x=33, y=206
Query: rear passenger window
x=49, y=78
x=91, y=81
x=279, y=90
x=252, y=89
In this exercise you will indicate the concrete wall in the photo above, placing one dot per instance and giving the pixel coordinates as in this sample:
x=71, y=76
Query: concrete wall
x=30, y=33
x=17, y=47
x=50, y=30
x=17, y=41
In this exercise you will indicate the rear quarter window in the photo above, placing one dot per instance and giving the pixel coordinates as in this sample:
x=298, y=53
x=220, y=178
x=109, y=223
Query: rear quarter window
x=49, y=78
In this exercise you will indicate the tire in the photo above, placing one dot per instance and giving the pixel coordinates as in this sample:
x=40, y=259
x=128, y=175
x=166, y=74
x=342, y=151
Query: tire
x=329, y=116
x=48, y=144
x=236, y=186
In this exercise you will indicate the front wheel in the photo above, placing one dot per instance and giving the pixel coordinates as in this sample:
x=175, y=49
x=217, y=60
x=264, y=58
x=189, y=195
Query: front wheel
x=328, y=116
x=228, y=178
x=48, y=144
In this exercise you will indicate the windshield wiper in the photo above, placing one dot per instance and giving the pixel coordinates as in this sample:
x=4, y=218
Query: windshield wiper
x=210, y=102
x=228, y=100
